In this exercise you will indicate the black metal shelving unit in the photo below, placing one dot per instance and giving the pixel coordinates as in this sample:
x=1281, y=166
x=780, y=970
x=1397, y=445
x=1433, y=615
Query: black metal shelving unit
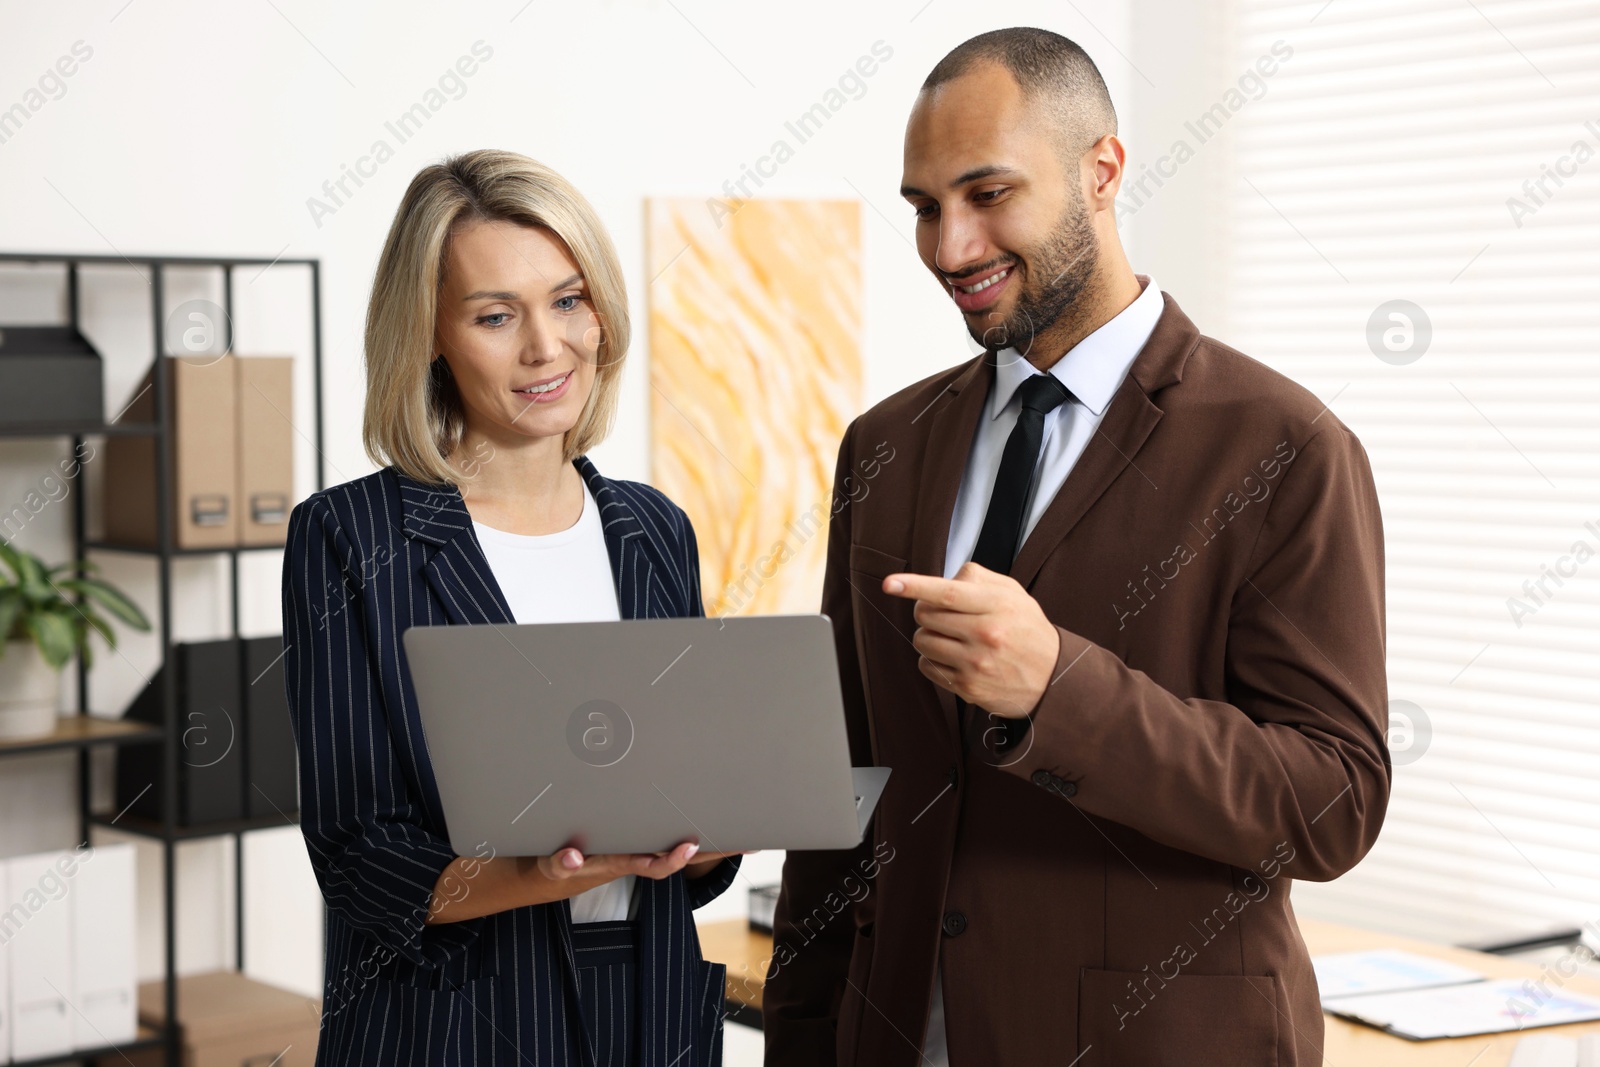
x=84, y=731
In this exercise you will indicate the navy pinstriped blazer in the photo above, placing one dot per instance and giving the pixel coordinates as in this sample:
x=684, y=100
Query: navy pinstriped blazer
x=364, y=561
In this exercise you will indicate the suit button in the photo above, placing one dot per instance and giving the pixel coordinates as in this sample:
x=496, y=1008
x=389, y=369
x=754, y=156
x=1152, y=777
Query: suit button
x=955, y=923
x=1045, y=780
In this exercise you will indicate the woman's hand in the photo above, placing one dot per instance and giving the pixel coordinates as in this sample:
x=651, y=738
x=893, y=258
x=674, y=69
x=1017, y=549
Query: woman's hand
x=470, y=888
x=704, y=862
x=569, y=863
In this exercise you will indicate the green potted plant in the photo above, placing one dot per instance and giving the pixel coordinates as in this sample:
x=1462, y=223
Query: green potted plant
x=41, y=628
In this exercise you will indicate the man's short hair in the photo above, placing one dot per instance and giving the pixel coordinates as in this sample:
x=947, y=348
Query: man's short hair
x=1052, y=70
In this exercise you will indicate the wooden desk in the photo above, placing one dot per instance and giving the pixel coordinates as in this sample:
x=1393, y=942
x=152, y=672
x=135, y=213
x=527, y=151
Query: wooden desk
x=1346, y=1044
x=1352, y=1045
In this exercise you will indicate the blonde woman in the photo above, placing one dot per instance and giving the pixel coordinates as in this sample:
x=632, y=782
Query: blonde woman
x=495, y=341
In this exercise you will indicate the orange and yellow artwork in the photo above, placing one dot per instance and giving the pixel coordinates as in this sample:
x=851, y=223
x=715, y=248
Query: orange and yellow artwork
x=755, y=371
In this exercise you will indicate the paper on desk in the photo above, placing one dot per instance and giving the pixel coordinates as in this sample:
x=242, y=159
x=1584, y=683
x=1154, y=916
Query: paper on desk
x=1384, y=970
x=1466, y=1010
x=1548, y=1050
x=1544, y=1050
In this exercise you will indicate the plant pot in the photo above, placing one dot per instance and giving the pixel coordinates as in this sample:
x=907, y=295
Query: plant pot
x=30, y=692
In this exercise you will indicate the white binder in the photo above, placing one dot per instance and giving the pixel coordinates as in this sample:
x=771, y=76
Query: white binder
x=104, y=998
x=5, y=973
x=38, y=921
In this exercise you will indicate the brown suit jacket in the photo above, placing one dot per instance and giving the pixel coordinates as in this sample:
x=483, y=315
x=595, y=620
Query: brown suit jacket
x=1116, y=888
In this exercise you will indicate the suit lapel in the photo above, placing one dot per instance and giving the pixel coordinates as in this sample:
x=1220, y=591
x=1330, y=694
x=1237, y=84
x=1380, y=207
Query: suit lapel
x=633, y=553
x=458, y=572
x=954, y=419
x=460, y=576
x=1129, y=420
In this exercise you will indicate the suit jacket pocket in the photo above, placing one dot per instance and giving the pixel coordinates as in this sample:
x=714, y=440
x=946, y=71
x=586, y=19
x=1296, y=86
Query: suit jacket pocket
x=874, y=564
x=1139, y=1019
x=455, y=1025
x=714, y=991
x=857, y=977
x=868, y=569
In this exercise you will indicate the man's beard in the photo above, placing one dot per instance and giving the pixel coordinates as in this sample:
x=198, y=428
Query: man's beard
x=1059, y=272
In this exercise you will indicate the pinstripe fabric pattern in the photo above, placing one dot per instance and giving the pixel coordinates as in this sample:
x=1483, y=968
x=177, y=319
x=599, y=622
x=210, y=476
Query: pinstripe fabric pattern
x=608, y=979
x=364, y=561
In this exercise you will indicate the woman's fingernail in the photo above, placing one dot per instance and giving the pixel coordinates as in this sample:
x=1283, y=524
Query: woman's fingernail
x=689, y=855
x=571, y=860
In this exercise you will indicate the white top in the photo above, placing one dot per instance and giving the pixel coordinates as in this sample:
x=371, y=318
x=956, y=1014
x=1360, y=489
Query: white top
x=563, y=577
x=1093, y=369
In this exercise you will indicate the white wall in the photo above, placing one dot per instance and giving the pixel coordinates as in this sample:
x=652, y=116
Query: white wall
x=199, y=128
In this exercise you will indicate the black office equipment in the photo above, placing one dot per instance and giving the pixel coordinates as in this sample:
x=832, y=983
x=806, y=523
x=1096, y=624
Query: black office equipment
x=210, y=739
x=49, y=376
x=270, y=766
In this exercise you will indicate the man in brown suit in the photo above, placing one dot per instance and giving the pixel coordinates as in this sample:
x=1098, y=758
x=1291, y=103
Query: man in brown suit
x=1113, y=613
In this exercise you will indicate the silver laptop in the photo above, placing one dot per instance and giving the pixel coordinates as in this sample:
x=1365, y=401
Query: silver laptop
x=633, y=736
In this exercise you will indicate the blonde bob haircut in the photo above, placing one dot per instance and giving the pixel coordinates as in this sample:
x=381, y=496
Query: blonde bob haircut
x=414, y=417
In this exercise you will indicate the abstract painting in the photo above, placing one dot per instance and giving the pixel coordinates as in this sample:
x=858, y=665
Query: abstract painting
x=755, y=371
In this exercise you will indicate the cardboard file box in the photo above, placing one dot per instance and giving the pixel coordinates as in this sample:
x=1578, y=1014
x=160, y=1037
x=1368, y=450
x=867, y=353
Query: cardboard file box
x=228, y=1020
x=50, y=376
x=266, y=447
x=210, y=745
x=202, y=399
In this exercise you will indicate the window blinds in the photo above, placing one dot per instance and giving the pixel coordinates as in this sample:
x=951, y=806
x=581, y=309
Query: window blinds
x=1412, y=210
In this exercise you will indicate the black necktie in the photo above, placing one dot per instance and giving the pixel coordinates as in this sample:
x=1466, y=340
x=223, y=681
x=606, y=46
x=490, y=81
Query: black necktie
x=1001, y=535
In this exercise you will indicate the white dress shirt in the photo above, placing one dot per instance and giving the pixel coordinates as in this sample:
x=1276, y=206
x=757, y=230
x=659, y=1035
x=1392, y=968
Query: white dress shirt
x=563, y=577
x=1093, y=370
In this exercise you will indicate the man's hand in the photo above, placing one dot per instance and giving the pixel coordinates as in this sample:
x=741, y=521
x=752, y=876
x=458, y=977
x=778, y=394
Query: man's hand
x=982, y=637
